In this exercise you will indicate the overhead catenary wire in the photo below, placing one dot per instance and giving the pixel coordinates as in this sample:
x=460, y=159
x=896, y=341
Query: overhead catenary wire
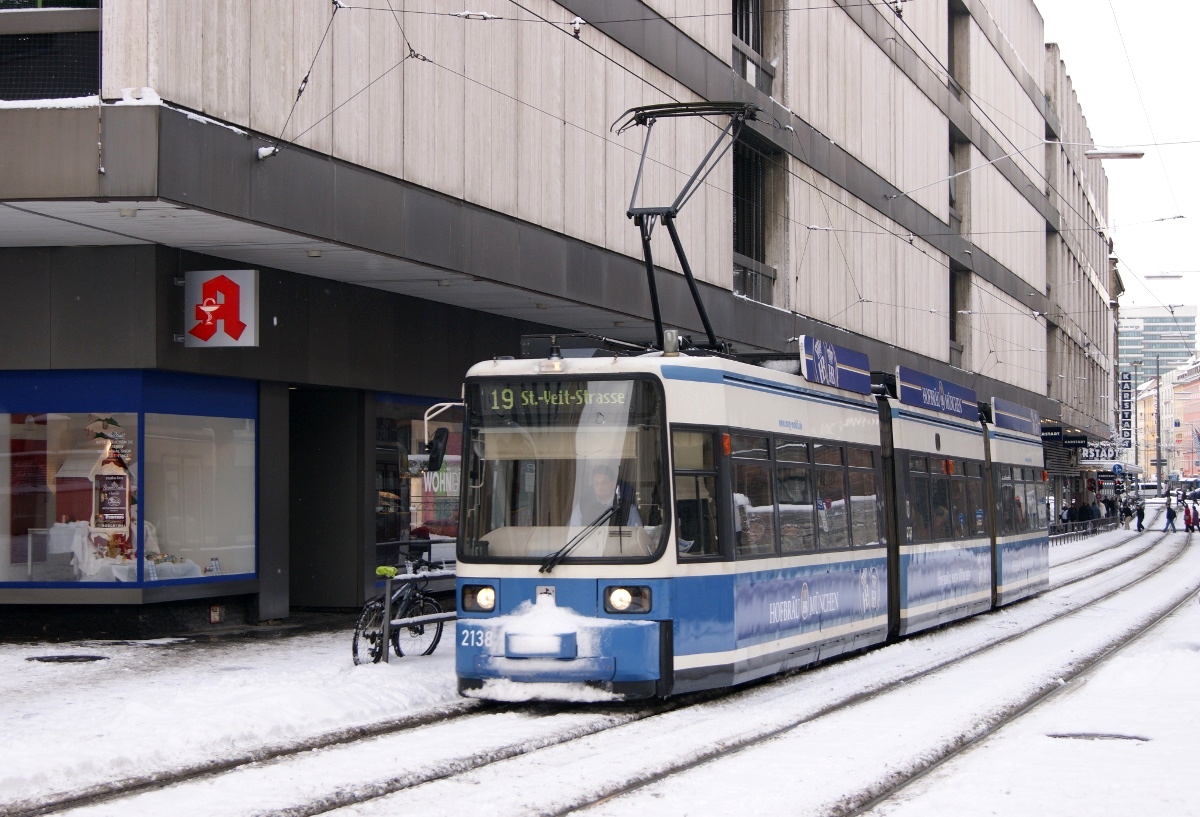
x=883, y=230
x=303, y=83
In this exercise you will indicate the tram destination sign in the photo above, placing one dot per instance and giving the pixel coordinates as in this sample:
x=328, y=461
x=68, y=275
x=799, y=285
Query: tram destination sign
x=929, y=392
x=832, y=365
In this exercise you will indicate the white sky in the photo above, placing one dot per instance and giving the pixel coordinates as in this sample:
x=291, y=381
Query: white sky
x=1160, y=38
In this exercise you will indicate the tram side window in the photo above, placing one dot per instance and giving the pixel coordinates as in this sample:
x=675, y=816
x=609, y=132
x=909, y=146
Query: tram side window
x=753, y=501
x=797, y=532
x=918, y=501
x=1043, y=515
x=939, y=497
x=831, y=508
x=1006, y=502
x=864, y=499
x=975, y=506
x=697, y=533
x=959, y=509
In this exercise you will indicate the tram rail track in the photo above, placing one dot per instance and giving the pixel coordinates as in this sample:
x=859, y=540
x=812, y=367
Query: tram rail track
x=462, y=715
x=750, y=740
x=728, y=746
x=129, y=786
x=1033, y=701
x=1100, y=551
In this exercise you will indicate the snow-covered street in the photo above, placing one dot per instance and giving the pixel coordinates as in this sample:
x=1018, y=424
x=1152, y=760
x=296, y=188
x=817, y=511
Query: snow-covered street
x=1114, y=738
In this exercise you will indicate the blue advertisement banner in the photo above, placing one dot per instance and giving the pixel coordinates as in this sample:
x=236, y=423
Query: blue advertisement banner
x=1024, y=563
x=837, y=366
x=930, y=576
x=1016, y=417
x=773, y=604
x=926, y=391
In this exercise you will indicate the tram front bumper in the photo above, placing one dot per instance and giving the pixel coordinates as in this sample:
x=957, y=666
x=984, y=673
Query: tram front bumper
x=596, y=650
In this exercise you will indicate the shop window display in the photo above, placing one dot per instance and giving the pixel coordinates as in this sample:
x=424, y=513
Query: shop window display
x=69, y=497
x=199, y=489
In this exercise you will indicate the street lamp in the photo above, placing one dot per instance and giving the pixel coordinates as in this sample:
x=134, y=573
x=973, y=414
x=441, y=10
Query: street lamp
x=1115, y=153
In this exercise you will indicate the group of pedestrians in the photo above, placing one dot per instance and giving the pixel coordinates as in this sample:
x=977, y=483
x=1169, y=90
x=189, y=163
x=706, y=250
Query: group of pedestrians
x=1133, y=509
x=1191, y=517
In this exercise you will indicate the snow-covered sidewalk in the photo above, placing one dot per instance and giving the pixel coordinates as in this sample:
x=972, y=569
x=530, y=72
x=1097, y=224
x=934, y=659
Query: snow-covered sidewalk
x=158, y=706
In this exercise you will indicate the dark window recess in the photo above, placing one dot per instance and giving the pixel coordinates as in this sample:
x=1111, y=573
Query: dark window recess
x=749, y=203
x=747, y=23
x=748, y=60
x=751, y=275
x=49, y=66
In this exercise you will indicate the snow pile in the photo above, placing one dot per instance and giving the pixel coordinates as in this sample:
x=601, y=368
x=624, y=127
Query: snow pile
x=499, y=689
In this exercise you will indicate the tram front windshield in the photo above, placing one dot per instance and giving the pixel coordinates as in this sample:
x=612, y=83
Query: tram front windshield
x=556, y=463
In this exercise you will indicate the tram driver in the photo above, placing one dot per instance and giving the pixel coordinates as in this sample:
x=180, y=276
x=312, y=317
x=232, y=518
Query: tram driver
x=603, y=492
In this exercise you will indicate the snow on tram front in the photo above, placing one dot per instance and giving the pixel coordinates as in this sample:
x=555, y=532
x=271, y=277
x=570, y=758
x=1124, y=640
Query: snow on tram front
x=563, y=529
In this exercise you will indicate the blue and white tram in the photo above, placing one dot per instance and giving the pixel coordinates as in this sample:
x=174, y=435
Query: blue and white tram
x=663, y=523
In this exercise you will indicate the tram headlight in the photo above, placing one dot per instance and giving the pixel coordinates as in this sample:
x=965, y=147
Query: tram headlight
x=479, y=598
x=627, y=599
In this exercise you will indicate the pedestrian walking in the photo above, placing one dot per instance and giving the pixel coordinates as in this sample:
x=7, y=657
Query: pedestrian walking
x=1187, y=518
x=1126, y=514
x=1170, y=521
x=1141, y=515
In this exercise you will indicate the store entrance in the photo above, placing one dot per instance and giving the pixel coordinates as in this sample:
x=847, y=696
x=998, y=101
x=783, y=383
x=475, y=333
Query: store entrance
x=326, y=498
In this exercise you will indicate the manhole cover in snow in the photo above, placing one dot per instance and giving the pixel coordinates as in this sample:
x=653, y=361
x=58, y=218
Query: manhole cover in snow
x=1097, y=736
x=67, y=659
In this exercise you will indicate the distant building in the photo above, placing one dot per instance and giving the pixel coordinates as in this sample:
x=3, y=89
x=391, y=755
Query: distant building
x=1147, y=333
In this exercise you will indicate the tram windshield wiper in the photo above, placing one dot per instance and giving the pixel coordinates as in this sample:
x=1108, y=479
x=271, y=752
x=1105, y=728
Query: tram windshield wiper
x=552, y=561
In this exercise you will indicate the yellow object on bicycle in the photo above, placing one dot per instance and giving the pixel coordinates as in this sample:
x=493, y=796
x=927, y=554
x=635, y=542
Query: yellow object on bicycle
x=386, y=571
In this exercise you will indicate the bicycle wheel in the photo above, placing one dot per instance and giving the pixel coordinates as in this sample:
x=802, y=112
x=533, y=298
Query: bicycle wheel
x=419, y=639
x=368, y=634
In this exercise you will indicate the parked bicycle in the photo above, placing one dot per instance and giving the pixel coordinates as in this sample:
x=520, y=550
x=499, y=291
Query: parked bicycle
x=409, y=601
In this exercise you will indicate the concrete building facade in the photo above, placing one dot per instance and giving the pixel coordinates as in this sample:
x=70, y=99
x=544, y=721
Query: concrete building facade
x=444, y=182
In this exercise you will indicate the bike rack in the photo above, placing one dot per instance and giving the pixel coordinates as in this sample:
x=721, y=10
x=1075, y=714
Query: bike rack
x=389, y=623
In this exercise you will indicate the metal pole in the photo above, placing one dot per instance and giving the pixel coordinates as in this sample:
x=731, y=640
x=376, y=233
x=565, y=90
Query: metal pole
x=386, y=646
x=691, y=281
x=645, y=223
x=1158, y=423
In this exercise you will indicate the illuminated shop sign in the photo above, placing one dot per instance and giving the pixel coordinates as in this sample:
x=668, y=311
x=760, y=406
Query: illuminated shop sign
x=220, y=308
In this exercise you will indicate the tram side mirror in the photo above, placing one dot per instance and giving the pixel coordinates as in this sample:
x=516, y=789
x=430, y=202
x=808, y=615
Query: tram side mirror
x=437, y=449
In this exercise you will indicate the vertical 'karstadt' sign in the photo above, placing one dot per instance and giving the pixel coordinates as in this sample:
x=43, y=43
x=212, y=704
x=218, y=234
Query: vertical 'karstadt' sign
x=220, y=308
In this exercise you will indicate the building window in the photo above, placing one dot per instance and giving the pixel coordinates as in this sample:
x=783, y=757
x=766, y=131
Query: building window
x=751, y=31
x=200, y=491
x=49, y=66
x=752, y=277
